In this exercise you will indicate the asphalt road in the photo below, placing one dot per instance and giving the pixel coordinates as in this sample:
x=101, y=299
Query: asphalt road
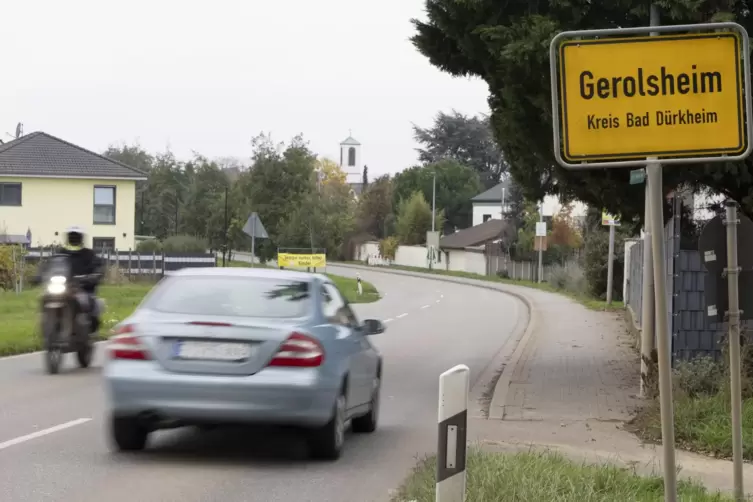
x=53, y=445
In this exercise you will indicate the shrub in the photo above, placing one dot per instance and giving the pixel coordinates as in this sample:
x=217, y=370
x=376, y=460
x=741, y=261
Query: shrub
x=701, y=376
x=595, y=263
x=149, y=246
x=184, y=244
x=10, y=259
x=503, y=274
x=388, y=247
x=569, y=277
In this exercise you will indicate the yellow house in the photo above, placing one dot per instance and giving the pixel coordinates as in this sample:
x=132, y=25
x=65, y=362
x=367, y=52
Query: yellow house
x=47, y=185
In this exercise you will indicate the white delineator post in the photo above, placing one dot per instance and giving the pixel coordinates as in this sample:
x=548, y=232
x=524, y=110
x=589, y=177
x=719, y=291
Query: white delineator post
x=360, y=286
x=454, y=385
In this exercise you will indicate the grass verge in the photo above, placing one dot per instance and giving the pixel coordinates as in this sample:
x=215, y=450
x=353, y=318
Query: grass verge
x=347, y=285
x=19, y=317
x=703, y=424
x=19, y=313
x=588, y=302
x=537, y=477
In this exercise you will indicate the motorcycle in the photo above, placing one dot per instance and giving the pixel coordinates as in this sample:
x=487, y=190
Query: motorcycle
x=67, y=314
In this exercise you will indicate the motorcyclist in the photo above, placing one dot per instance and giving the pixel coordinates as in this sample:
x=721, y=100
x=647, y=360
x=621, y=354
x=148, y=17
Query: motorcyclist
x=84, y=261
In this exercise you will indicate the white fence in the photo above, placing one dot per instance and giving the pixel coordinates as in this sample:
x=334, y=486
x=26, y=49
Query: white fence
x=471, y=260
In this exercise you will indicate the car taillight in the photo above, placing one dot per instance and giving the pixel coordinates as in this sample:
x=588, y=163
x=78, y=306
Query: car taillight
x=300, y=351
x=126, y=345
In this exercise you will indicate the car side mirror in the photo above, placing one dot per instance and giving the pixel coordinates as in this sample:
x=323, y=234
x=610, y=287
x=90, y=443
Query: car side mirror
x=373, y=327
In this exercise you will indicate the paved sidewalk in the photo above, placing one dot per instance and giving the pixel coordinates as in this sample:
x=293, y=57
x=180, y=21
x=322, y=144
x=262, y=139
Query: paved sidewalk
x=577, y=365
x=574, y=385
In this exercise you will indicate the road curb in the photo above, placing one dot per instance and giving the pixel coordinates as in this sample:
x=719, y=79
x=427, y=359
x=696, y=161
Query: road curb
x=498, y=403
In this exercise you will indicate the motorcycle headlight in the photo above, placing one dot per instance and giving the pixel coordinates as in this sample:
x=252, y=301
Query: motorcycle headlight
x=56, y=285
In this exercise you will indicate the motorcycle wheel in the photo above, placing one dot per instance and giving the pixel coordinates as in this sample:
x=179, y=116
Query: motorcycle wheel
x=84, y=356
x=53, y=358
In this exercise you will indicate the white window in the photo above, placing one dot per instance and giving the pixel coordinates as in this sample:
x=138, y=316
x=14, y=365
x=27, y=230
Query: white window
x=104, y=205
x=335, y=308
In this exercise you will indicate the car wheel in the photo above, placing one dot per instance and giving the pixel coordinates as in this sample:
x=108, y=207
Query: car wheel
x=327, y=442
x=128, y=434
x=368, y=422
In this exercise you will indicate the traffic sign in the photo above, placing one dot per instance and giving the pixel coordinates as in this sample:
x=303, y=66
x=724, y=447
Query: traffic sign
x=637, y=176
x=609, y=219
x=619, y=99
x=540, y=229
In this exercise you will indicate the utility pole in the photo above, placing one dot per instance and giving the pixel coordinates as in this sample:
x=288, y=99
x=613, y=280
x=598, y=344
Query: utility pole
x=433, y=201
x=224, y=246
x=433, y=216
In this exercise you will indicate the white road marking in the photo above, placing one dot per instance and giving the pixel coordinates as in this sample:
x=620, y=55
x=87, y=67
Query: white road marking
x=388, y=320
x=401, y=316
x=426, y=306
x=43, y=432
x=439, y=301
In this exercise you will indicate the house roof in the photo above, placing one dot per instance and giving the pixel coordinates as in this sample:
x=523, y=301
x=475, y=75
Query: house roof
x=494, y=194
x=40, y=154
x=474, y=236
x=350, y=141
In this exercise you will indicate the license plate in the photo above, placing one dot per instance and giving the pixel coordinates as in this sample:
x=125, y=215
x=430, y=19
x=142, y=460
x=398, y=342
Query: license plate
x=213, y=351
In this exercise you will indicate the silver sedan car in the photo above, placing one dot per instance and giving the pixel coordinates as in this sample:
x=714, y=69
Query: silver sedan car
x=213, y=346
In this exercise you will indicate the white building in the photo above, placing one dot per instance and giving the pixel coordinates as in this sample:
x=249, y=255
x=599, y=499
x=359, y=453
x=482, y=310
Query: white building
x=488, y=205
x=350, y=163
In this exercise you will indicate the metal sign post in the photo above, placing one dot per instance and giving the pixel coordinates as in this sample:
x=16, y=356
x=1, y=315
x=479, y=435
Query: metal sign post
x=541, y=235
x=611, y=221
x=255, y=228
x=678, y=96
x=733, y=325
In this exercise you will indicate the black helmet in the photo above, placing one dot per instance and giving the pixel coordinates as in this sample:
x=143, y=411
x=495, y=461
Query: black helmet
x=74, y=237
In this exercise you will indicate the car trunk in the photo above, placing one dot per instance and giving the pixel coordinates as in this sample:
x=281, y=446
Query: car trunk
x=209, y=345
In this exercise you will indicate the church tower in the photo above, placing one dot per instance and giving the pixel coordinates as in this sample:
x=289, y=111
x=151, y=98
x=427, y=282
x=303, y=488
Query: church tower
x=350, y=155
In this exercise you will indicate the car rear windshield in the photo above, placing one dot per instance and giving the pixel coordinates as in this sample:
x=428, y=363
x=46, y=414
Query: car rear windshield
x=231, y=296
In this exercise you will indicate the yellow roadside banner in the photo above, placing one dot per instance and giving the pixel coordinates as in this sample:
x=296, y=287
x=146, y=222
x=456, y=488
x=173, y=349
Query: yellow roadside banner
x=301, y=260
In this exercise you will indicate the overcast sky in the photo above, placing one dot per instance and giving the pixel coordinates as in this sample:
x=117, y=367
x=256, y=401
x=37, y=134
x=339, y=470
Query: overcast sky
x=208, y=76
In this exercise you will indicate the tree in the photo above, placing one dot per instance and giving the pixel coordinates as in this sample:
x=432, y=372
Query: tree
x=564, y=231
x=204, y=211
x=456, y=185
x=277, y=186
x=414, y=220
x=375, y=208
x=137, y=157
x=330, y=172
x=467, y=140
x=325, y=216
x=365, y=178
x=506, y=44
